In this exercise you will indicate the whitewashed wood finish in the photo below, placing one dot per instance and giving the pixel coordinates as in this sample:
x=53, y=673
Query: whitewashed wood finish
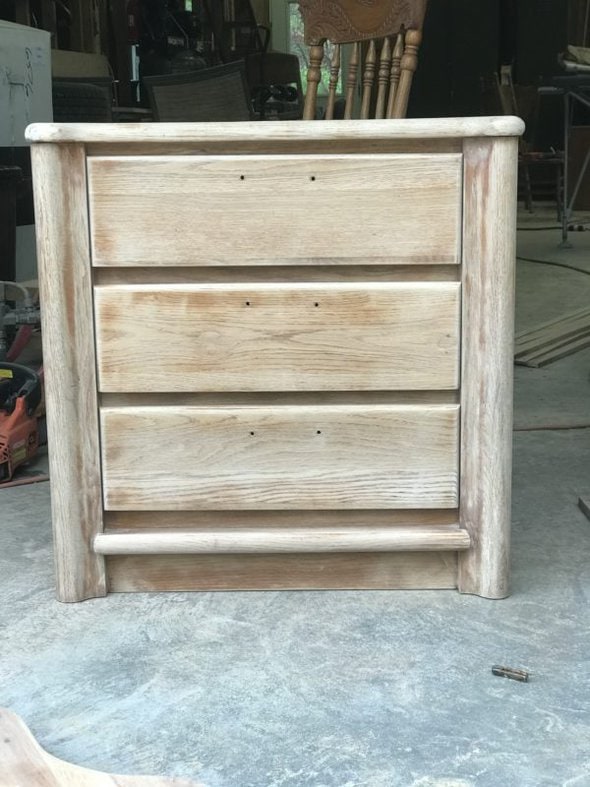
x=126, y=521
x=285, y=337
x=380, y=456
x=262, y=398
x=279, y=540
x=23, y=763
x=276, y=274
x=264, y=133
x=489, y=248
x=68, y=354
x=346, y=570
x=279, y=146
x=379, y=459
x=363, y=272
x=143, y=209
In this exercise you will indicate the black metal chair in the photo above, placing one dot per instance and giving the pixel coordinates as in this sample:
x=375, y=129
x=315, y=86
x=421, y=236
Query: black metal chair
x=82, y=100
x=211, y=94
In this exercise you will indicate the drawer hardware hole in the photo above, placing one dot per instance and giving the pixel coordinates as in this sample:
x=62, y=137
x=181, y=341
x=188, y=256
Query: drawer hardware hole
x=242, y=177
x=316, y=305
x=252, y=434
x=319, y=431
x=247, y=303
x=312, y=178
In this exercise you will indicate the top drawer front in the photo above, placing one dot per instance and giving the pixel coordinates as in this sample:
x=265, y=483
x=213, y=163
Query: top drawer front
x=289, y=210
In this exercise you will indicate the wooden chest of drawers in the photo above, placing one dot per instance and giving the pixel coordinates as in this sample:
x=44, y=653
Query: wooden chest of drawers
x=278, y=355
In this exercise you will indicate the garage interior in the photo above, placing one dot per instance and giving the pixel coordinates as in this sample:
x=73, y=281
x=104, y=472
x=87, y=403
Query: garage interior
x=310, y=688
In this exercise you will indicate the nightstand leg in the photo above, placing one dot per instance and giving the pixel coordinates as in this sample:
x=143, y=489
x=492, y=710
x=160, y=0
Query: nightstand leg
x=69, y=357
x=489, y=221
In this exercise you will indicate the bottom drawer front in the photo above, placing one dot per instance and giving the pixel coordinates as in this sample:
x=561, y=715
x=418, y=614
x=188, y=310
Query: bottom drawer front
x=282, y=457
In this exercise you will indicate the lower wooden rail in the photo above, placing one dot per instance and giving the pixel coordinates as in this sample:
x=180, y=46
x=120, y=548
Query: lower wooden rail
x=268, y=540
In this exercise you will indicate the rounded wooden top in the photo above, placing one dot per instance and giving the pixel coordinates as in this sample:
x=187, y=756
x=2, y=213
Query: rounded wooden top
x=277, y=131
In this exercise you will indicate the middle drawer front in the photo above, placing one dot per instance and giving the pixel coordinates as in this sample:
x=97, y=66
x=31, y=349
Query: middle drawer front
x=278, y=337
x=280, y=457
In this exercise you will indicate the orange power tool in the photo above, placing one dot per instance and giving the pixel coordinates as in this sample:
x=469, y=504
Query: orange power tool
x=20, y=397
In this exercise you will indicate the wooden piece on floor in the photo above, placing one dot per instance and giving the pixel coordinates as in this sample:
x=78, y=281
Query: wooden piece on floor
x=344, y=571
x=23, y=763
x=543, y=333
x=558, y=350
x=553, y=340
x=584, y=506
x=24, y=478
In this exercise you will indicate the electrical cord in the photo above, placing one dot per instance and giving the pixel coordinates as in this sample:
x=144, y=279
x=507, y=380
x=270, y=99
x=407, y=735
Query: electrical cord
x=537, y=229
x=550, y=427
x=572, y=227
x=556, y=264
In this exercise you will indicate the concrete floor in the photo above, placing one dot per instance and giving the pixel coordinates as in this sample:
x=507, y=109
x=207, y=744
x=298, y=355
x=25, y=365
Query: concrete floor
x=371, y=689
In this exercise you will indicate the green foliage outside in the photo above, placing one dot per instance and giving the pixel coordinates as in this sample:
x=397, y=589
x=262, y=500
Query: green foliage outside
x=298, y=47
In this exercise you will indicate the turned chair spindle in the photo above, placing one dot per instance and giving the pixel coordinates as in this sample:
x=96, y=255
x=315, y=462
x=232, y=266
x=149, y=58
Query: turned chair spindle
x=376, y=45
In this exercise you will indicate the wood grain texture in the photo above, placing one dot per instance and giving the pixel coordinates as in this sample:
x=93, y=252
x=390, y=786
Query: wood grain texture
x=332, y=85
x=23, y=763
x=310, y=146
x=261, y=135
x=285, y=337
x=342, y=21
x=260, y=398
x=560, y=349
x=383, y=78
x=487, y=369
x=70, y=380
x=273, y=540
x=179, y=234
x=369, y=78
x=542, y=335
x=354, y=571
x=141, y=208
x=408, y=65
x=166, y=458
x=115, y=521
x=553, y=340
x=277, y=273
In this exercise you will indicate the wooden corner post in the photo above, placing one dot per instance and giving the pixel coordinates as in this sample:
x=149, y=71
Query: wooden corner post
x=489, y=248
x=70, y=381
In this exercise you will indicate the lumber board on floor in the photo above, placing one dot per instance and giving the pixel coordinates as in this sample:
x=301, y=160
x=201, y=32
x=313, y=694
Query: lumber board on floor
x=560, y=350
x=553, y=340
x=25, y=764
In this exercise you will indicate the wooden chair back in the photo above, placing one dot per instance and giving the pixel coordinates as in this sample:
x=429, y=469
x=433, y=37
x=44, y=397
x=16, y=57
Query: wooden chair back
x=211, y=94
x=384, y=37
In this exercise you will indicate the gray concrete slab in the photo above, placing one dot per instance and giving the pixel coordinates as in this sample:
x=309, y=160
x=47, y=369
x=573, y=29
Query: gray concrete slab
x=375, y=689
